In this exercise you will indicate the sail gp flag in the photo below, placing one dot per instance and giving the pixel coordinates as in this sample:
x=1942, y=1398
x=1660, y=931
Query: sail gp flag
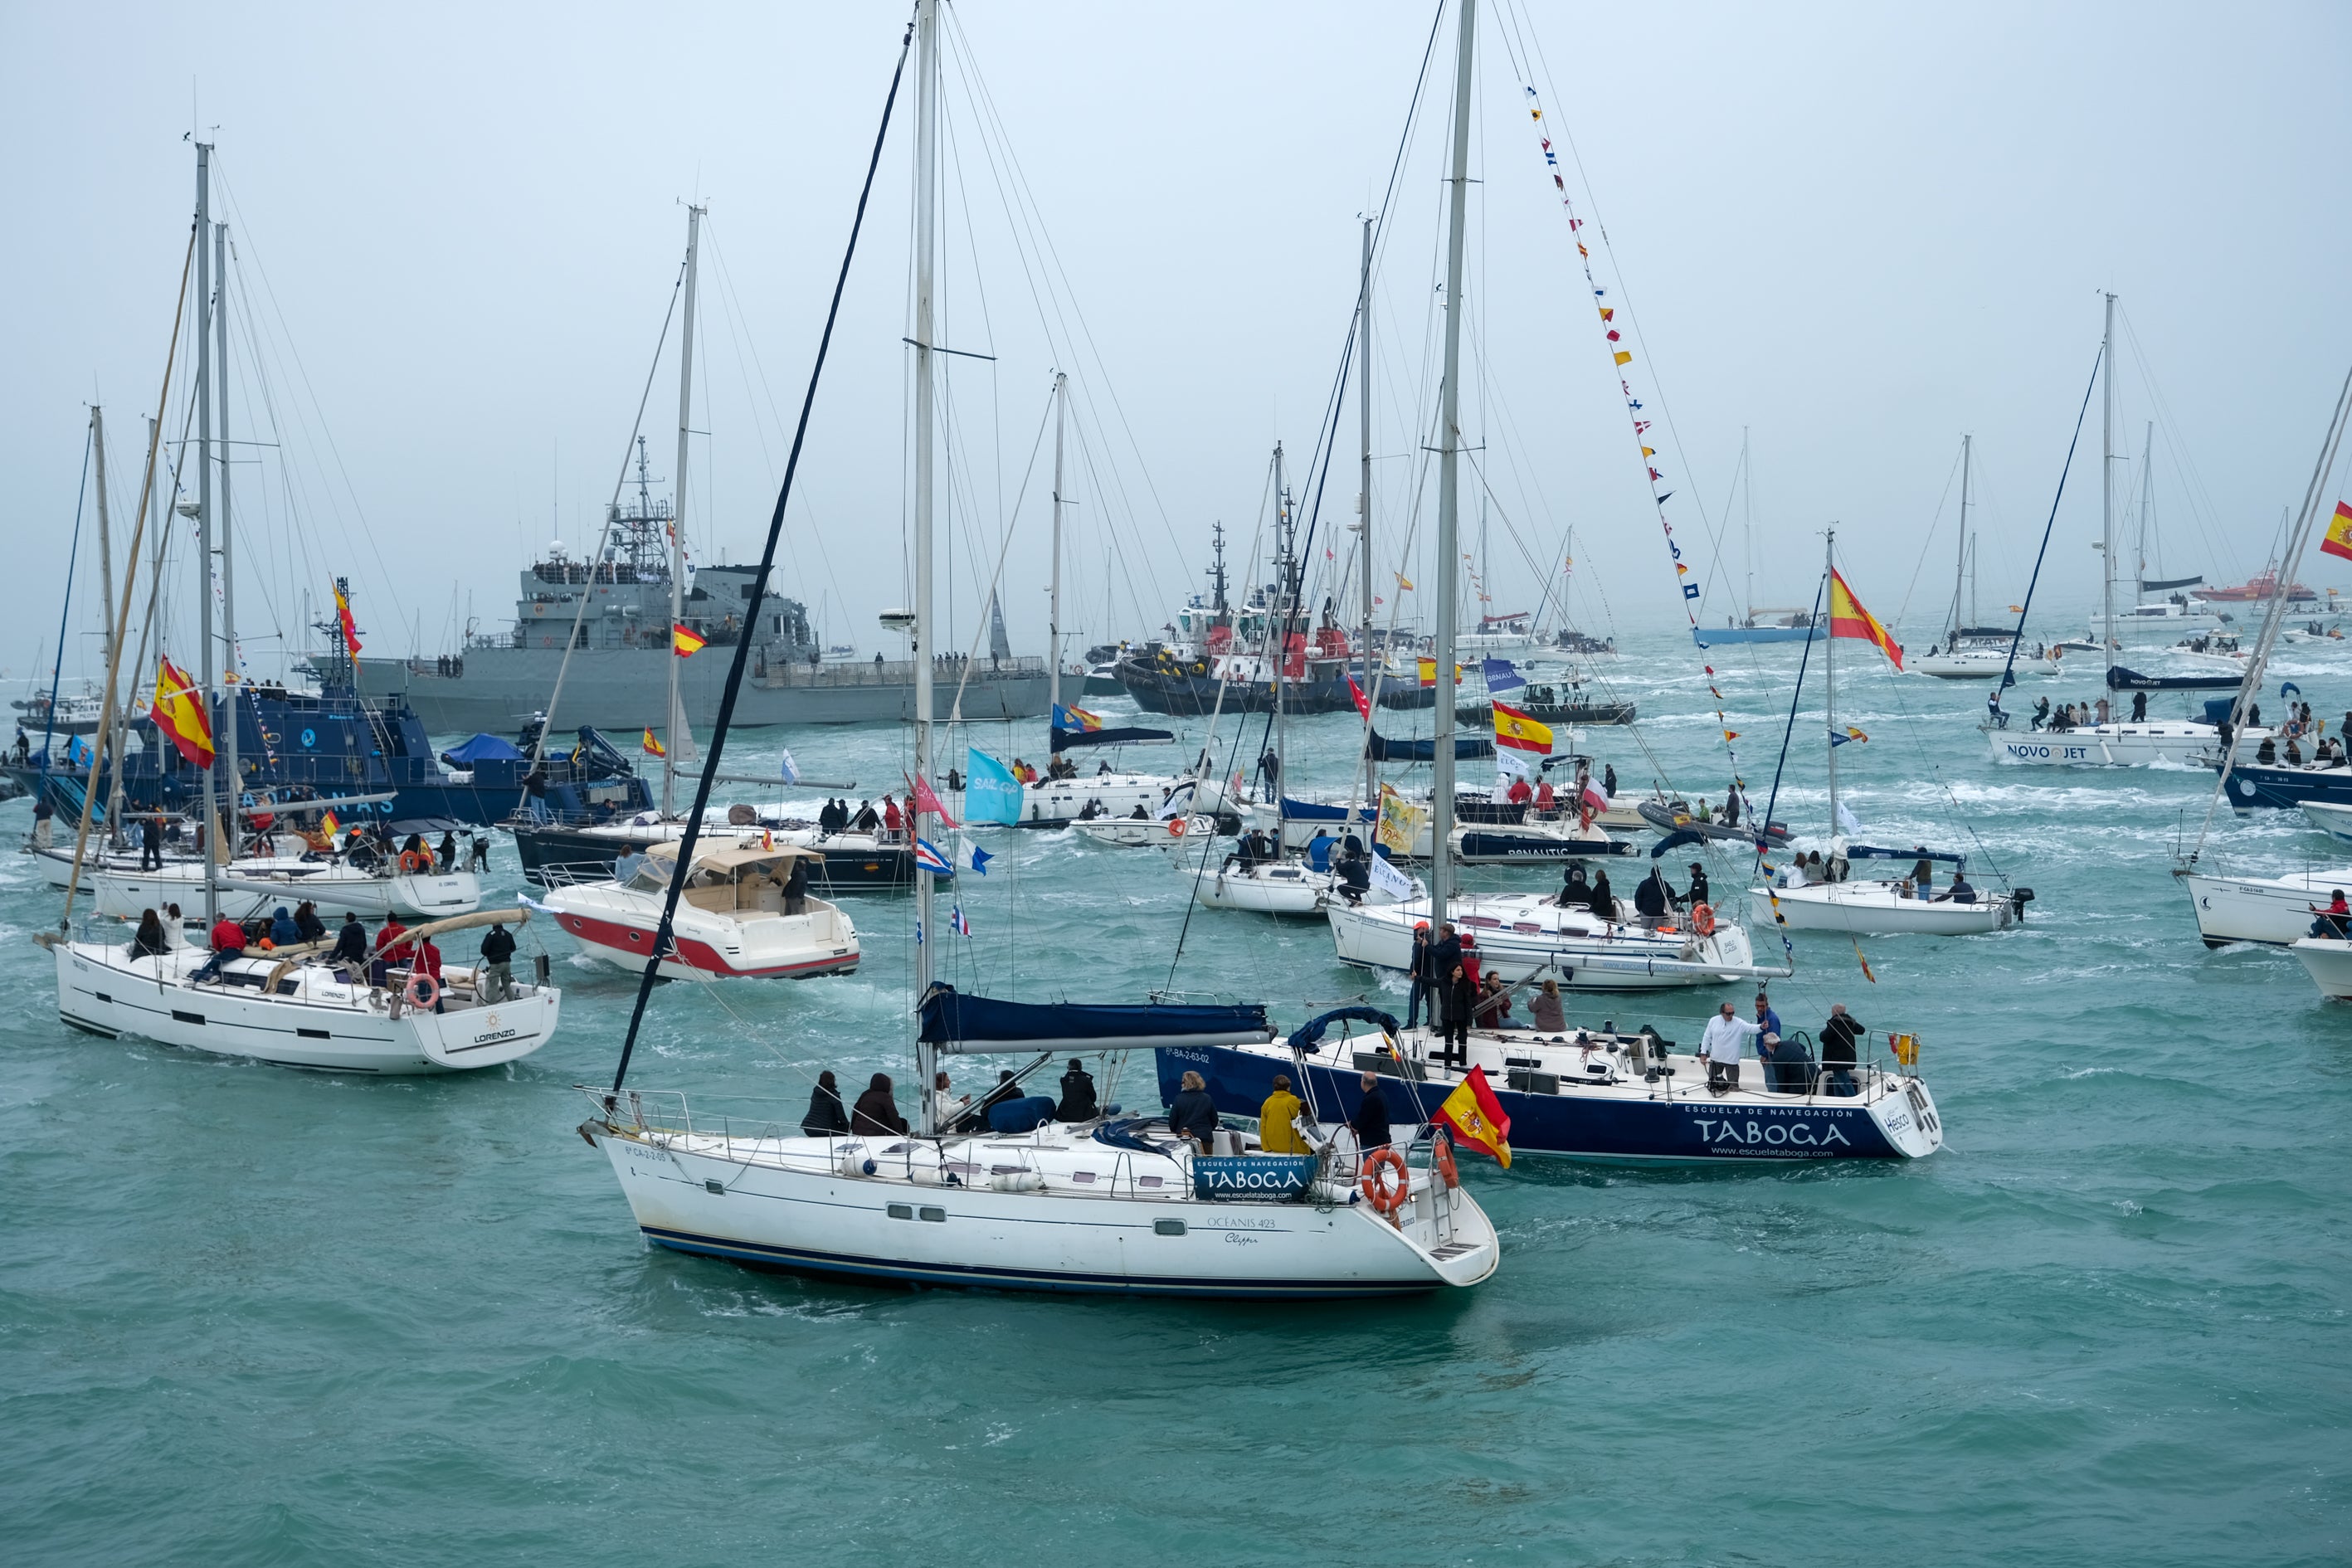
x=990, y=792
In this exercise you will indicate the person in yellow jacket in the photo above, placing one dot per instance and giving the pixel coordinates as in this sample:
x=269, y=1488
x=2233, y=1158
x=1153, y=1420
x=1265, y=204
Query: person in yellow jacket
x=1277, y=1120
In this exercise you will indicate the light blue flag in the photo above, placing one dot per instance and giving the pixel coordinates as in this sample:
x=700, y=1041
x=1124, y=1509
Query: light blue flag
x=1501, y=678
x=990, y=794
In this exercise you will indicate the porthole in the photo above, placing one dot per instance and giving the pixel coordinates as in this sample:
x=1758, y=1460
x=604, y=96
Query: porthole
x=902, y=1211
x=936, y=1217
x=1168, y=1227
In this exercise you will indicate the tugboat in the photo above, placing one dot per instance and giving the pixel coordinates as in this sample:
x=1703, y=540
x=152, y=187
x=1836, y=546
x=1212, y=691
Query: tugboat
x=1218, y=649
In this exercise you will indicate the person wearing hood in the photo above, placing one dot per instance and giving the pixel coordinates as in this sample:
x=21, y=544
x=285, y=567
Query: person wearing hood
x=825, y=1117
x=1277, y=1122
x=876, y=1114
x=283, y=932
x=1649, y=899
x=1078, y=1102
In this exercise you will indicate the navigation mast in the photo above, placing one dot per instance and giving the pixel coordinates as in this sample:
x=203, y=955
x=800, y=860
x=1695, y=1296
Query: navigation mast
x=926, y=130
x=677, y=722
x=1449, y=464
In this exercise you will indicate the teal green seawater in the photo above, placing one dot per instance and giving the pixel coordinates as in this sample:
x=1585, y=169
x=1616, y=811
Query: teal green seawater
x=253, y=1316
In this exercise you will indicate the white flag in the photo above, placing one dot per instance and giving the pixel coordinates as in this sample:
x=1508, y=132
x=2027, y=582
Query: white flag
x=791, y=769
x=1846, y=822
x=1389, y=881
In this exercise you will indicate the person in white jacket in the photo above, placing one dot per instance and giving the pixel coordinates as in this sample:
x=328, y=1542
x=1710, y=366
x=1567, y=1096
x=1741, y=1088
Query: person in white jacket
x=1727, y=1035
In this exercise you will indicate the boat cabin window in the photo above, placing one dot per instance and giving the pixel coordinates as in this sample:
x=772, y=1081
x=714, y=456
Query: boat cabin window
x=902, y=1211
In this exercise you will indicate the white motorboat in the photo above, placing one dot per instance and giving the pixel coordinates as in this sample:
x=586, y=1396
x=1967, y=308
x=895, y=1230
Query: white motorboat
x=2328, y=960
x=1882, y=907
x=294, y=1009
x=1137, y=832
x=2278, y=911
x=1285, y=886
x=732, y=920
x=2336, y=821
x=1521, y=935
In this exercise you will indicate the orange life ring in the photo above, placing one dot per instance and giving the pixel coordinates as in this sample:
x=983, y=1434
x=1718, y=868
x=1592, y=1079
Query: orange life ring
x=1175, y=827
x=1377, y=1191
x=1441, y=1154
x=423, y=990
x=1703, y=919
x=411, y=862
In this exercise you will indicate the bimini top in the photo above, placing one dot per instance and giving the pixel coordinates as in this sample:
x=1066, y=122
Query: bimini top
x=979, y=1023
x=734, y=857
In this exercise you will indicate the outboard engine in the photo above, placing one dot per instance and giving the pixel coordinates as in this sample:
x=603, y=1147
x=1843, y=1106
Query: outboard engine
x=2021, y=898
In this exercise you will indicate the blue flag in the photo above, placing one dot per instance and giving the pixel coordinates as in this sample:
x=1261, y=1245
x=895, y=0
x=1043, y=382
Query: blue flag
x=979, y=858
x=1501, y=678
x=990, y=792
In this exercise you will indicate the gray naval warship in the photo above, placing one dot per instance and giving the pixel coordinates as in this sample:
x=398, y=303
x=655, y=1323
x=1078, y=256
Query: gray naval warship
x=620, y=664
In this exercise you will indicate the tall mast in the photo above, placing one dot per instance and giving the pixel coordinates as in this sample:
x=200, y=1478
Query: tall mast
x=677, y=722
x=1364, y=504
x=1054, y=598
x=204, y=510
x=113, y=632
x=232, y=688
x=1449, y=467
x=1829, y=683
x=1747, y=525
x=927, y=81
x=2108, y=496
x=1285, y=598
x=1960, y=564
x=2146, y=484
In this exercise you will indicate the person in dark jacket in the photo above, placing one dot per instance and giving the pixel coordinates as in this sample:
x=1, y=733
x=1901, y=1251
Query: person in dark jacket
x=1573, y=889
x=151, y=844
x=307, y=924
x=1078, y=1102
x=283, y=932
x=825, y=1118
x=1461, y=997
x=1371, y=1117
x=1192, y=1115
x=1650, y=900
x=149, y=942
x=1698, y=893
x=1839, y=1037
x=876, y=1114
x=496, y=982
x=1418, y=966
x=351, y=942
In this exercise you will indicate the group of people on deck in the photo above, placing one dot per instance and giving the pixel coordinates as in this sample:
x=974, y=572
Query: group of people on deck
x=1788, y=1066
x=888, y=825
x=875, y=1113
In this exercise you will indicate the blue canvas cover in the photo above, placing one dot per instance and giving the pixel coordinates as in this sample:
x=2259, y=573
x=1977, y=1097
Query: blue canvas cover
x=970, y=1023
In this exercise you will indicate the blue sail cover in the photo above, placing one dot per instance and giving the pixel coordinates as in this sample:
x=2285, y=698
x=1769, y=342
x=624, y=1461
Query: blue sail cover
x=1076, y=726
x=1307, y=1037
x=481, y=748
x=1383, y=750
x=1870, y=852
x=2122, y=680
x=979, y=1024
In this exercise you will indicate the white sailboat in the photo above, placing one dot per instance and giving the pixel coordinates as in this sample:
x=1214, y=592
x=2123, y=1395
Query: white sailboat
x=1100, y=1203
x=1878, y=906
x=1968, y=651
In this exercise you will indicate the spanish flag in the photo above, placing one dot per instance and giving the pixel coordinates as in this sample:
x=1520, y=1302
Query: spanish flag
x=180, y=712
x=654, y=747
x=2339, y=533
x=343, y=615
x=1514, y=730
x=1848, y=619
x=684, y=643
x=332, y=826
x=1476, y=1118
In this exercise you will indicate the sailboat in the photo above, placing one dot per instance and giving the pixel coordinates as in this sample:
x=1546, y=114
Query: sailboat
x=1879, y=906
x=1103, y=1202
x=2120, y=741
x=1518, y=934
x=289, y=1007
x=1967, y=651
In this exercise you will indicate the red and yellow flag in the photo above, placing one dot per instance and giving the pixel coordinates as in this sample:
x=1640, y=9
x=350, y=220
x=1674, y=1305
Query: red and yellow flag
x=180, y=713
x=1514, y=730
x=653, y=747
x=343, y=615
x=684, y=643
x=1476, y=1118
x=1848, y=619
x=332, y=826
x=2338, y=541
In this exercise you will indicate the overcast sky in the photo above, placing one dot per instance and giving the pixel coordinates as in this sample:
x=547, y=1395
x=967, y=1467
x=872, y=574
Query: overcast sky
x=1852, y=233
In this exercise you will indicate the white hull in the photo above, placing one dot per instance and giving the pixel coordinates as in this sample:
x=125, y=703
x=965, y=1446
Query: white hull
x=1128, y=833
x=2127, y=745
x=1055, y=1210
x=1879, y=909
x=1049, y=802
x=251, y=888
x=1284, y=888
x=616, y=924
x=2330, y=965
x=2274, y=909
x=324, y=1023
x=1521, y=934
x=1968, y=664
x=2336, y=821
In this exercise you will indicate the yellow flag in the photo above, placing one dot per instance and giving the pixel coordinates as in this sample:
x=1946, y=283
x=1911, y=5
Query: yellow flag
x=1623, y=357
x=1399, y=824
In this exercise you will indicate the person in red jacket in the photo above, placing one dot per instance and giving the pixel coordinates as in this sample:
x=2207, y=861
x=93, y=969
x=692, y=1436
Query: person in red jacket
x=428, y=962
x=228, y=941
x=389, y=949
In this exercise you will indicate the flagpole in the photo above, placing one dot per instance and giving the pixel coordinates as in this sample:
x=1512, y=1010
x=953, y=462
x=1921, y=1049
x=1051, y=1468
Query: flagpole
x=205, y=516
x=676, y=723
x=1449, y=463
x=927, y=77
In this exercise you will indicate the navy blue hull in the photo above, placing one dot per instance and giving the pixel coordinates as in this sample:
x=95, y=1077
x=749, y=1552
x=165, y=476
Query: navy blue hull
x=2288, y=788
x=1573, y=1123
